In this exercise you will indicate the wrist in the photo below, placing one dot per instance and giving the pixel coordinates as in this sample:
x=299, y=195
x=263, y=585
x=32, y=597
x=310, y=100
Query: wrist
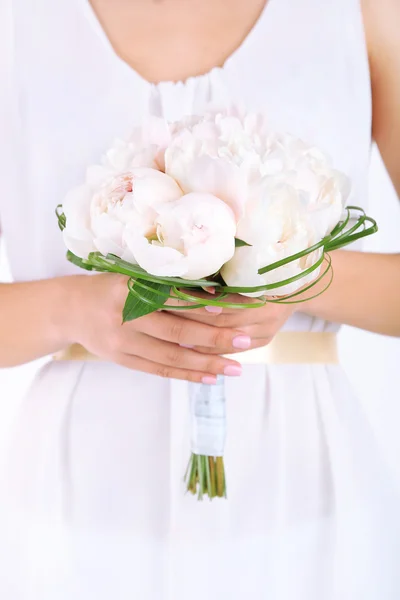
x=67, y=305
x=312, y=299
x=317, y=293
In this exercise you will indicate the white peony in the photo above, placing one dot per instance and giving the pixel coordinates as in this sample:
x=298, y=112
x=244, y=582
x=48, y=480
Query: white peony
x=99, y=211
x=295, y=200
x=322, y=190
x=144, y=148
x=218, y=154
x=229, y=155
x=277, y=227
x=195, y=237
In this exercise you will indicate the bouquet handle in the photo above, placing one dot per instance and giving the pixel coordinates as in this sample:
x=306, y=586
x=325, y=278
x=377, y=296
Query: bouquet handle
x=205, y=475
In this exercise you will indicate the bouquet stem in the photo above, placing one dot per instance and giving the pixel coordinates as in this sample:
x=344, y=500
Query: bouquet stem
x=205, y=476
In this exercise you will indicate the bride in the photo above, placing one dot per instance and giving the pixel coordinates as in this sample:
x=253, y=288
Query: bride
x=91, y=496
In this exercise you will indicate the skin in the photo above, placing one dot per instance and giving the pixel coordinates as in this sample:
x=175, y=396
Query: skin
x=87, y=310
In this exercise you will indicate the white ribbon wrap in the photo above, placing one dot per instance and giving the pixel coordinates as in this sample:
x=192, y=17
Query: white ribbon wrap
x=208, y=418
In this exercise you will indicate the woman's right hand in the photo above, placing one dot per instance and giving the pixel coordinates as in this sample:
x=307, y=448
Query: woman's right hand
x=154, y=343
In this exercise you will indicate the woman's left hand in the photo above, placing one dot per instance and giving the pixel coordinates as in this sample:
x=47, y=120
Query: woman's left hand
x=260, y=324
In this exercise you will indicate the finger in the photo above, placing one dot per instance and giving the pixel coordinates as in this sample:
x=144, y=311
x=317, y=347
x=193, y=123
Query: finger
x=172, y=328
x=256, y=343
x=210, y=308
x=180, y=304
x=237, y=320
x=147, y=366
x=173, y=355
x=265, y=316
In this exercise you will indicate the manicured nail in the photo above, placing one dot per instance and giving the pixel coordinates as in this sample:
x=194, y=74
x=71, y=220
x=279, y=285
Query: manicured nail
x=209, y=290
x=242, y=342
x=209, y=380
x=186, y=346
x=233, y=370
x=216, y=310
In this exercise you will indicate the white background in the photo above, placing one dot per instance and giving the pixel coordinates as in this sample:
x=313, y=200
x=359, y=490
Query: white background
x=372, y=362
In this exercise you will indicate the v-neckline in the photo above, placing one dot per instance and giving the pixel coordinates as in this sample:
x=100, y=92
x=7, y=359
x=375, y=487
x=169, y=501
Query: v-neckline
x=100, y=31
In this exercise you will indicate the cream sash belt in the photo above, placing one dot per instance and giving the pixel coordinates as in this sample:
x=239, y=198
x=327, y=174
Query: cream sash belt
x=287, y=347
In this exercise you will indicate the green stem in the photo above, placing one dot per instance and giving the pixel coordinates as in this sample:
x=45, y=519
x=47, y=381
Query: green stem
x=220, y=476
x=208, y=476
x=211, y=463
x=200, y=477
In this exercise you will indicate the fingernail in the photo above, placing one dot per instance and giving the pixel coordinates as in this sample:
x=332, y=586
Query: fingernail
x=186, y=346
x=209, y=380
x=233, y=370
x=242, y=342
x=209, y=290
x=216, y=310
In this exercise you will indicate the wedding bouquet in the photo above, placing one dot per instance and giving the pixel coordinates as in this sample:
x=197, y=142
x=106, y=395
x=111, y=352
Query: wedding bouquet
x=214, y=202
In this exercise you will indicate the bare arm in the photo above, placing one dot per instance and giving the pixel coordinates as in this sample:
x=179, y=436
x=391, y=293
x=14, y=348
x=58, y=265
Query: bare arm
x=352, y=299
x=33, y=319
x=39, y=318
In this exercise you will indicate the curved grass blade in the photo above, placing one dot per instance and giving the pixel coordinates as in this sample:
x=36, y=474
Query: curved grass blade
x=293, y=257
x=139, y=273
x=347, y=239
x=61, y=218
x=206, y=302
x=341, y=225
x=277, y=285
x=80, y=262
x=287, y=299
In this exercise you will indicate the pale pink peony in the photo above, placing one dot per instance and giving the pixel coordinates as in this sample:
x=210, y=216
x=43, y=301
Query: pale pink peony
x=195, y=237
x=99, y=211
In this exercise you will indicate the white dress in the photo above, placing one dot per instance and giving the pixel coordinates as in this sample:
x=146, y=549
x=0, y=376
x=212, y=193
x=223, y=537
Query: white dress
x=92, y=503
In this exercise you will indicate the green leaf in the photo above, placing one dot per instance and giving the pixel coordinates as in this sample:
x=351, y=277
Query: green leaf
x=239, y=243
x=143, y=301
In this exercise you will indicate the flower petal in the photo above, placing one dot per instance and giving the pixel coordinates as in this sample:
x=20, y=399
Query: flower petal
x=204, y=260
x=202, y=227
x=156, y=132
x=108, y=246
x=96, y=175
x=215, y=176
x=242, y=270
x=155, y=259
x=77, y=235
x=79, y=247
x=76, y=206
